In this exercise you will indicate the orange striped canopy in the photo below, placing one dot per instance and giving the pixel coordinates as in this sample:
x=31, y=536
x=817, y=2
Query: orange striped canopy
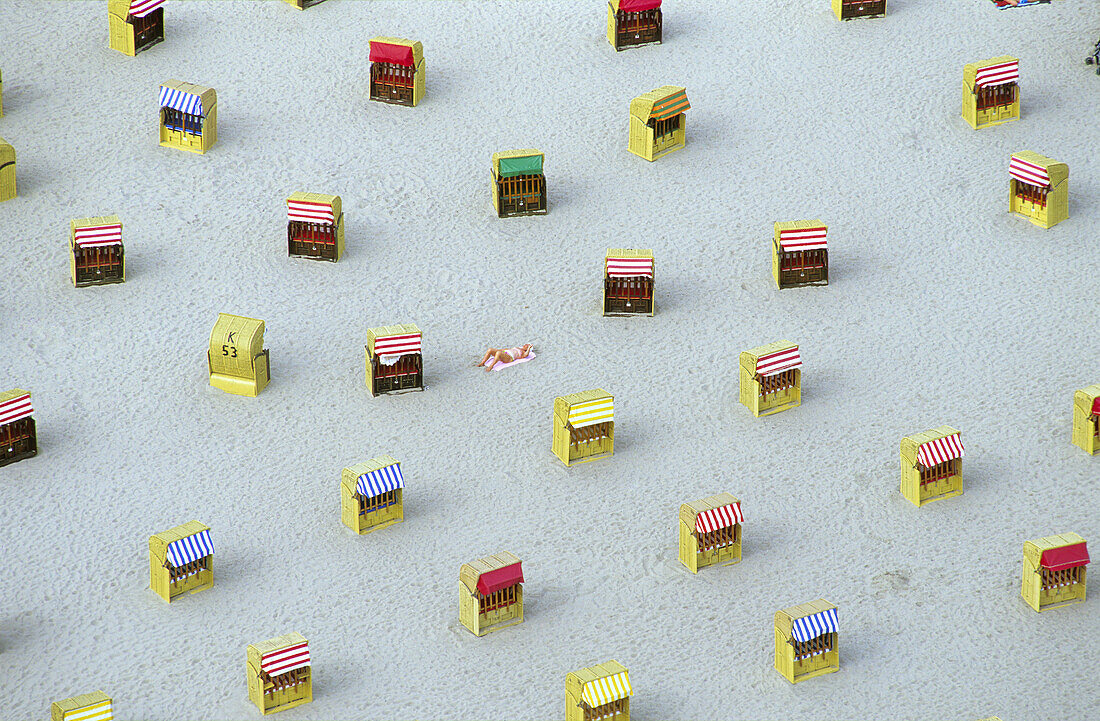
x=673, y=104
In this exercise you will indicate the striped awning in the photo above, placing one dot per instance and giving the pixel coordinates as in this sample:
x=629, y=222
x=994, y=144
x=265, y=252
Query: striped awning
x=397, y=344
x=672, y=105
x=98, y=711
x=940, y=451
x=310, y=212
x=141, y=8
x=186, y=103
x=1057, y=559
x=500, y=578
x=93, y=236
x=1027, y=172
x=629, y=267
x=783, y=360
x=807, y=627
x=721, y=517
x=384, y=480
x=1096, y=406
x=999, y=74
x=286, y=659
x=802, y=239
x=190, y=549
x=606, y=690
x=589, y=413
x=16, y=409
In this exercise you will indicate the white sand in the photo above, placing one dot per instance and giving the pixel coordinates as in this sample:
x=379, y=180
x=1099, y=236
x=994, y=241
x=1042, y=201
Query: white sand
x=943, y=308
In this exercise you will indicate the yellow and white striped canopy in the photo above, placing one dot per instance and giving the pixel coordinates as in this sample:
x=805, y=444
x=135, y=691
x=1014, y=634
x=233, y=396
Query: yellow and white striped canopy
x=590, y=413
x=99, y=711
x=604, y=690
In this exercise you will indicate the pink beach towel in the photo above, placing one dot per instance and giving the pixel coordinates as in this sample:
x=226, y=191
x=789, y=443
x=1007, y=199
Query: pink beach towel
x=499, y=366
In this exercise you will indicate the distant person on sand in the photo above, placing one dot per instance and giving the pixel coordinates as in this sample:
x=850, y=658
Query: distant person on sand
x=505, y=356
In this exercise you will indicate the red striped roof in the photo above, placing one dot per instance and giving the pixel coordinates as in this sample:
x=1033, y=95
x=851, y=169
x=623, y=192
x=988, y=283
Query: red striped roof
x=803, y=239
x=721, y=517
x=397, y=344
x=629, y=267
x=284, y=660
x=940, y=450
x=92, y=236
x=141, y=8
x=310, y=212
x=779, y=361
x=999, y=74
x=1028, y=172
x=16, y=409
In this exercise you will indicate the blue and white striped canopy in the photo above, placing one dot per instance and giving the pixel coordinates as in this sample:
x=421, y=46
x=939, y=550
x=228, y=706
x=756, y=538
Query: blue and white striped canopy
x=181, y=101
x=375, y=483
x=189, y=549
x=813, y=626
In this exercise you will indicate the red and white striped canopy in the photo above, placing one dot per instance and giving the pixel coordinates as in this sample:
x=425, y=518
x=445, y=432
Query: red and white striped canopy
x=397, y=344
x=93, y=236
x=629, y=267
x=16, y=409
x=721, y=517
x=141, y=8
x=783, y=360
x=940, y=451
x=309, y=212
x=802, y=239
x=1027, y=172
x=999, y=74
x=284, y=660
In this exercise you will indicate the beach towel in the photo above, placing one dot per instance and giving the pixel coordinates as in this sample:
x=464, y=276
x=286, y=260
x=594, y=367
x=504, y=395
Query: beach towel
x=501, y=366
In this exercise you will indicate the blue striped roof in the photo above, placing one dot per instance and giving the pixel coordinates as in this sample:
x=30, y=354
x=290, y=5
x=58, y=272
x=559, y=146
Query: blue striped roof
x=181, y=101
x=375, y=483
x=813, y=626
x=189, y=549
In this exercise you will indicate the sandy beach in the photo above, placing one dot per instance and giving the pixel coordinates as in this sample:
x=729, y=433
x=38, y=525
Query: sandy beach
x=942, y=308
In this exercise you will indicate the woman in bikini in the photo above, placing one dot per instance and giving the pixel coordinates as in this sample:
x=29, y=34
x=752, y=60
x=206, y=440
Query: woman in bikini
x=503, y=355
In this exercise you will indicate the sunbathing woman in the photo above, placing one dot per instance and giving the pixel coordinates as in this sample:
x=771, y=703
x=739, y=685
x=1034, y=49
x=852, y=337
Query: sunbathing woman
x=503, y=355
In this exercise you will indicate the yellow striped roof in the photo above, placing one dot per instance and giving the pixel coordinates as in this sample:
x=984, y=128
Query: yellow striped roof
x=100, y=711
x=592, y=412
x=602, y=691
